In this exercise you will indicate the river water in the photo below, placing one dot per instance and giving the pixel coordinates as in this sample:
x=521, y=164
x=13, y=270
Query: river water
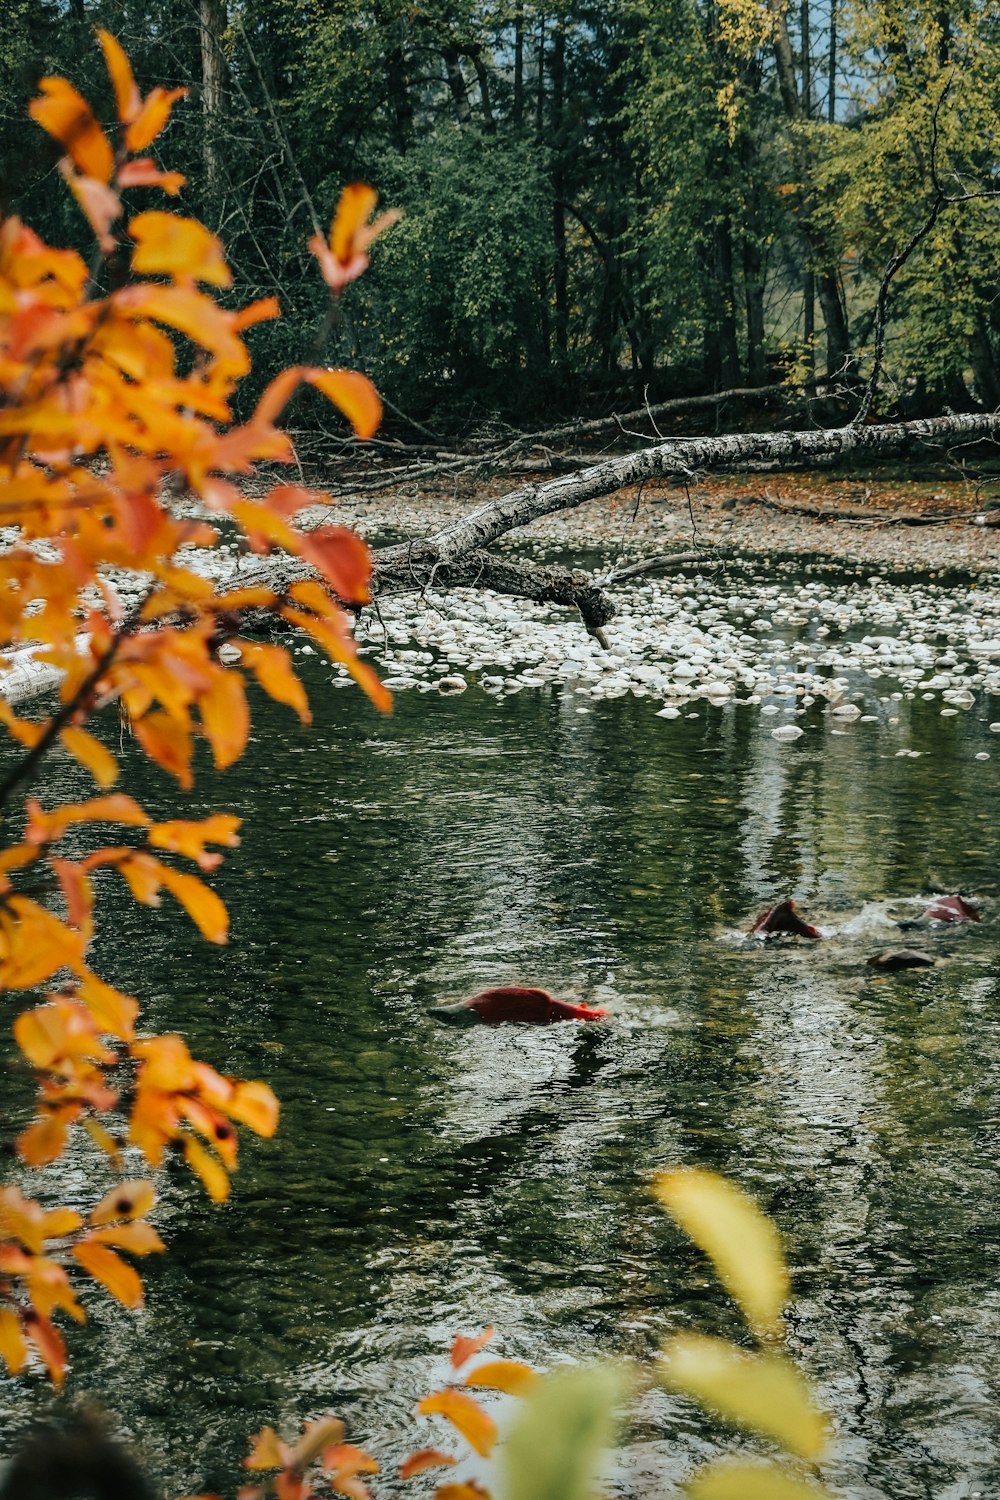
x=427, y=1180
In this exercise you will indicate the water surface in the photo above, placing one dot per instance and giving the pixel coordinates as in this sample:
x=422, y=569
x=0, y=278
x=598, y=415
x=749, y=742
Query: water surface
x=427, y=1180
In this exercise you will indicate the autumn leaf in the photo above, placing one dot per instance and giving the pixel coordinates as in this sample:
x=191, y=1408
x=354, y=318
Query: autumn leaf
x=113, y=1273
x=129, y=1200
x=476, y=1426
x=508, y=1375
x=214, y=1177
x=354, y=394
x=465, y=1346
x=254, y=1105
x=66, y=115
x=424, y=1458
x=13, y=1344
x=272, y=667
x=201, y=904
x=120, y=71
x=152, y=117
x=342, y=558
x=91, y=753
x=170, y=245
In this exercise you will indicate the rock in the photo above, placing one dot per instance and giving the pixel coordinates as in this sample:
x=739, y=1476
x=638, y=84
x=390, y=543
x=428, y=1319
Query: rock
x=451, y=685
x=785, y=733
x=893, y=959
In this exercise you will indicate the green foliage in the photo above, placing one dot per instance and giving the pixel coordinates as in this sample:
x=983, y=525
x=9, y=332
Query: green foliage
x=555, y=1447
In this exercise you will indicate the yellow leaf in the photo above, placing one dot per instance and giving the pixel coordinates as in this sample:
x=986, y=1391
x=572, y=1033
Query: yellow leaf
x=354, y=394
x=508, y=1375
x=213, y=1174
x=120, y=1279
x=168, y=743
x=66, y=115
x=764, y=1392
x=170, y=245
x=129, y=1200
x=45, y=1139
x=91, y=753
x=254, y=1105
x=201, y=904
x=105, y=1141
x=743, y=1481
x=272, y=667
x=740, y=1241
x=138, y=1238
x=13, y=1345
x=152, y=117
x=114, y=1012
x=225, y=717
x=120, y=71
x=476, y=1426
x=268, y=1451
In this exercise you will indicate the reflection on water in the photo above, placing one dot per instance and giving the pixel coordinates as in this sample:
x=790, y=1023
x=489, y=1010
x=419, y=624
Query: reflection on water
x=427, y=1180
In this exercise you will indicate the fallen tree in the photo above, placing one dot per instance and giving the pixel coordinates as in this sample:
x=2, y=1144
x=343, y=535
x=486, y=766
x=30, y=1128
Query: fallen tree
x=458, y=554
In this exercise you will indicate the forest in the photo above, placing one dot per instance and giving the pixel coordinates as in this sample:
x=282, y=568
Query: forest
x=603, y=203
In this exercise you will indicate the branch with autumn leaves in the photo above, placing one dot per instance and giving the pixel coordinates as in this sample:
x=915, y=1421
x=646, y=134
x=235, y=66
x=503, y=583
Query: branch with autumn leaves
x=116, y=388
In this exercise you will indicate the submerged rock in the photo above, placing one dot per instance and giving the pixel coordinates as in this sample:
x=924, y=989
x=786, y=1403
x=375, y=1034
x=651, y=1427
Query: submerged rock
x=894, y=959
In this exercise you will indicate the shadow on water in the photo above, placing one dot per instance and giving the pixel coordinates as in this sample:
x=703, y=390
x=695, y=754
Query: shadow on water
x=427, y=1180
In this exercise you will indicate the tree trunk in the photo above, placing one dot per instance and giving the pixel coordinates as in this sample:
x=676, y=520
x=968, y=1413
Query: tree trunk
x=753, y=283
x=722, y=349
x=809, y=318
x=561, y=269
x=984, y=366
x=456, y=83
x=483, y=79
x=213, y=20
x=518, y=105
x=400, y=101
x=831, y=68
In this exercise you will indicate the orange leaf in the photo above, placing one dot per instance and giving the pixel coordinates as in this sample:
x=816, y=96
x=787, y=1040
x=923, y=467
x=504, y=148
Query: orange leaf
x=470, y=1490
x=169, y=245
x=91, y=753
x=168, y=743
x=99, y=204
x=508, y=1375
x=114, y=1012
x=152, y=117
x=333, y=638
x=120, y=1279
x=476, y=1426
x=190, y=838
x=355, y=395
x=201, y=904
x=356, y=205
x=268, y=1451
x=425, y=1458
x=272, y=667
x=38, y=944
x=138, y=1238
x=212, y=1173
x=143, y=172
x=254, y=1105
x=129, y=1200
x=120, y=71
x=225, y=717
x=465, y=1347
x=44, y=1140
x=49, y=1344
x=260, y=311
x=342, y=558
x=77, y=891
x=66, y=114
x=46, y=827
x=13, y=1345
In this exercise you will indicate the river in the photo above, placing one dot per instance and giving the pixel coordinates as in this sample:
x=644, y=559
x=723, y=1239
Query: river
x=427, y=1180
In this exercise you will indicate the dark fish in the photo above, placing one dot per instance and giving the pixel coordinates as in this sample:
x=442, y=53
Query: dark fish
x=513, y=1003
x=901, y=958
x=952, y=909
x=782, y=918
